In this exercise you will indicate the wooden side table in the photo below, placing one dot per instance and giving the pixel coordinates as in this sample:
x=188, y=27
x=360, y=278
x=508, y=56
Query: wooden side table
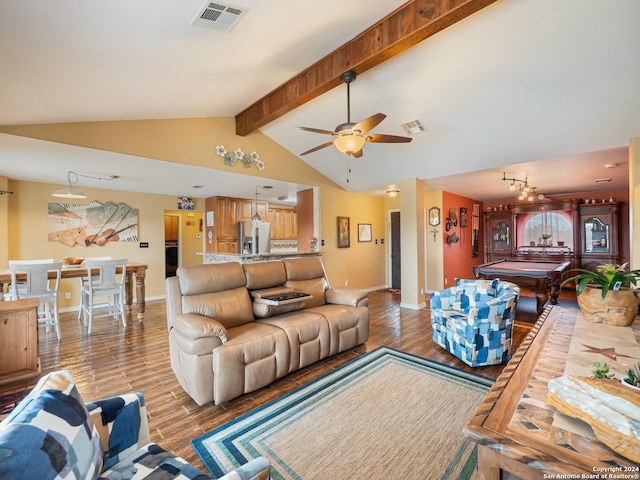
x=518, y=433
x=19, y=340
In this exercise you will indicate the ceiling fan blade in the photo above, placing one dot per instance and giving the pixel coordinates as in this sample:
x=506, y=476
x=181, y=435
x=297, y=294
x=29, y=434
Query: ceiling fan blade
x=382, y=138
x=369, y=123
x=317, y=130
x=319, y=147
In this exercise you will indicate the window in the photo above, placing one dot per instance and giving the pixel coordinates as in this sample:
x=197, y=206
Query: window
x=547, y=229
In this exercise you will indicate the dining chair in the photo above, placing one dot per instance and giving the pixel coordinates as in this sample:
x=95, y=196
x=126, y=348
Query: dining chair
x=107, y=282
x=20, y=286
x=38, y=285
x=83, y=280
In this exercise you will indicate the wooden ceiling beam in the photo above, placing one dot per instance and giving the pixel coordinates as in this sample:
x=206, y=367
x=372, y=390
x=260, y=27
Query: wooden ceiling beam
x=397, y=32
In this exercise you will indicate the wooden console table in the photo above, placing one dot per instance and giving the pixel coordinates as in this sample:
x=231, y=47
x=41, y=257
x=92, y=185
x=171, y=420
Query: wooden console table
x=19, y=340
x=519, y=434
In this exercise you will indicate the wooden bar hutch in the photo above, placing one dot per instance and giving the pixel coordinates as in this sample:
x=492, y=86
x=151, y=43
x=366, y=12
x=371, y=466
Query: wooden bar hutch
x=595, y=234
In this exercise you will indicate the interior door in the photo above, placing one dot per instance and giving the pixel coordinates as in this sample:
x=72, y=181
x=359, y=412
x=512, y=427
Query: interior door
x=171, y=244
x=395, y=250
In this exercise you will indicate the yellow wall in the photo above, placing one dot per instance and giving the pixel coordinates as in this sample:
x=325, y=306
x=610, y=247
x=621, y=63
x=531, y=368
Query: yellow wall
x=188, y=141
x=28, y=232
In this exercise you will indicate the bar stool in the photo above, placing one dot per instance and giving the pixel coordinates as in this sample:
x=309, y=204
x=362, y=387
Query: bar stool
x=37, y=285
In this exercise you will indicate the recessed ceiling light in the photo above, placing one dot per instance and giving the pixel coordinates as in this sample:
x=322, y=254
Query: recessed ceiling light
x=197, y=186
x=610, y=165
x=603, y=180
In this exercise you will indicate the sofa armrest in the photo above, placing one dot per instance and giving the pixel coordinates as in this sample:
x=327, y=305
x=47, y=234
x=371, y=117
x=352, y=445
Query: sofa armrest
x=194, y=326
x=353, y=297
x=122, y=424
x=256, y=469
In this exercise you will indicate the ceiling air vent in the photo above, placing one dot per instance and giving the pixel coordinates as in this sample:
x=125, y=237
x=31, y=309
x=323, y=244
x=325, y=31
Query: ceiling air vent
x=218, y=16
x=414, y=127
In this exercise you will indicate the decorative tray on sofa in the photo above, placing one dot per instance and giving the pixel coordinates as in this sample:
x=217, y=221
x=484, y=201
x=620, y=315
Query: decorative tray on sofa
x=284, y=298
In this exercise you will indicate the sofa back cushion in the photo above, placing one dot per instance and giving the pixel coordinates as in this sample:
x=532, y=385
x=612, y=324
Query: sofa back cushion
x=217, y=291
x=264, y=275
x=307, y=275
x=50, y=434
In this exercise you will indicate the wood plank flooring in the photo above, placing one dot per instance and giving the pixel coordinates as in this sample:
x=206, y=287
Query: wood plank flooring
x=115, y=360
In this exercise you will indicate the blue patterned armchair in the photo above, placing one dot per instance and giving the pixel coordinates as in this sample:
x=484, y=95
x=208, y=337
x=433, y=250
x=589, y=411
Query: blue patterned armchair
x=473, y=320
x=53, y=434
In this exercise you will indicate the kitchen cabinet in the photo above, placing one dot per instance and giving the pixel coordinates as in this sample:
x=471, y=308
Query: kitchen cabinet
x=227, y=217
x=247, y=208
x=222, y=234
x=284, y=223
x=19, y=340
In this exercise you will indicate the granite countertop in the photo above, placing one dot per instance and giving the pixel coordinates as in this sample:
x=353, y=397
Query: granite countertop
x=251, y=255
x=213, y=257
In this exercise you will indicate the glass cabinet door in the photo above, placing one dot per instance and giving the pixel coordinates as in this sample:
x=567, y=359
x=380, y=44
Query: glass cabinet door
x=500, y=237
x=596, y=235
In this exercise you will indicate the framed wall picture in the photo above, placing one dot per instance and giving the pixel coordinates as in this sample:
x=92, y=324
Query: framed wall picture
x=364, y=232
x=434, y=216
x=185, y=203
x=344, y=234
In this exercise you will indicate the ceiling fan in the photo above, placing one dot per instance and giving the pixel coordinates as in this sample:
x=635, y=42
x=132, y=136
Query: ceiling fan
x=350, y=137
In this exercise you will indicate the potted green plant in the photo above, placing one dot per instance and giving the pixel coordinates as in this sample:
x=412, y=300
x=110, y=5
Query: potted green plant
x=601, y=370
x=633, y=376
x=605, y=294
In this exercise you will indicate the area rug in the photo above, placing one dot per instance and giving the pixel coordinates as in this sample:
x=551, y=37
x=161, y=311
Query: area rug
x=387, y=414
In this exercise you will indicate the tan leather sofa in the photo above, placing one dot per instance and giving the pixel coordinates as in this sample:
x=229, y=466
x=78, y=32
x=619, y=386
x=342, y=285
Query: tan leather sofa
x=226, y=340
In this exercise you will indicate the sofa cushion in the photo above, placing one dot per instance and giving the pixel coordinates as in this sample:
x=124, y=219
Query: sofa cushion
x=50, y=434
x=262, y=310
x=261, y=275
x=303, y=268
x=209, y=278
x=230, y=307
x=314, y=287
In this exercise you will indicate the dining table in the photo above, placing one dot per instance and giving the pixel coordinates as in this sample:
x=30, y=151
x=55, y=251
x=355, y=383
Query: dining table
x=132, y=270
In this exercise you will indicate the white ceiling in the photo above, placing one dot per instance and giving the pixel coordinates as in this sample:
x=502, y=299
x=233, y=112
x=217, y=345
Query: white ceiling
x=529, y=87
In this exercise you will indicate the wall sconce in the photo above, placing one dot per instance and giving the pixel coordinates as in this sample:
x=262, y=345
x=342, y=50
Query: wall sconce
x=393, y=192
x=72, y=179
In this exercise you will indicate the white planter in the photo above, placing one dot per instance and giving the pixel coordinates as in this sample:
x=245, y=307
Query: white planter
x=628, y=385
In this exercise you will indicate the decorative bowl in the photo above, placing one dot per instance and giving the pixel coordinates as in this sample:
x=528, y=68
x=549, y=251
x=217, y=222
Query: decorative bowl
x=72, y=261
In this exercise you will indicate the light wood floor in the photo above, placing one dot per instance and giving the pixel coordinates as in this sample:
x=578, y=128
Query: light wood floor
x=115, y=360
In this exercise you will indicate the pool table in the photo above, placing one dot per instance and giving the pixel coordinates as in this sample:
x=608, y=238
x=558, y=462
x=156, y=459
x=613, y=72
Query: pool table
x=541, y=277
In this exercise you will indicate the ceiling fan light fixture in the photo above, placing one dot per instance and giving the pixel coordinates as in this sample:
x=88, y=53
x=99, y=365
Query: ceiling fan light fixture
x=349, y=144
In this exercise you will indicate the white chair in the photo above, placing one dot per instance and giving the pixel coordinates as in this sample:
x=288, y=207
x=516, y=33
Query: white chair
x=37, y=285
x=83, y=280
x=10, y=294
x=106, y=283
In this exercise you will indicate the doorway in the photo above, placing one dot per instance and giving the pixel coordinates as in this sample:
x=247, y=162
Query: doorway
x=171, y=244
x=395, y=250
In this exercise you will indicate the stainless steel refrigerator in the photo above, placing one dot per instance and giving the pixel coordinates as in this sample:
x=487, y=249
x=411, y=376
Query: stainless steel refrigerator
x=254, y=237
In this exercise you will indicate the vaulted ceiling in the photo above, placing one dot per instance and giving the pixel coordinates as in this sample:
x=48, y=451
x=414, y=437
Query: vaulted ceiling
x=535, y=88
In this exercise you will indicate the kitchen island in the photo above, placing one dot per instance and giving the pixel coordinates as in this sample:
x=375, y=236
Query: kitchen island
x=208, y=257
